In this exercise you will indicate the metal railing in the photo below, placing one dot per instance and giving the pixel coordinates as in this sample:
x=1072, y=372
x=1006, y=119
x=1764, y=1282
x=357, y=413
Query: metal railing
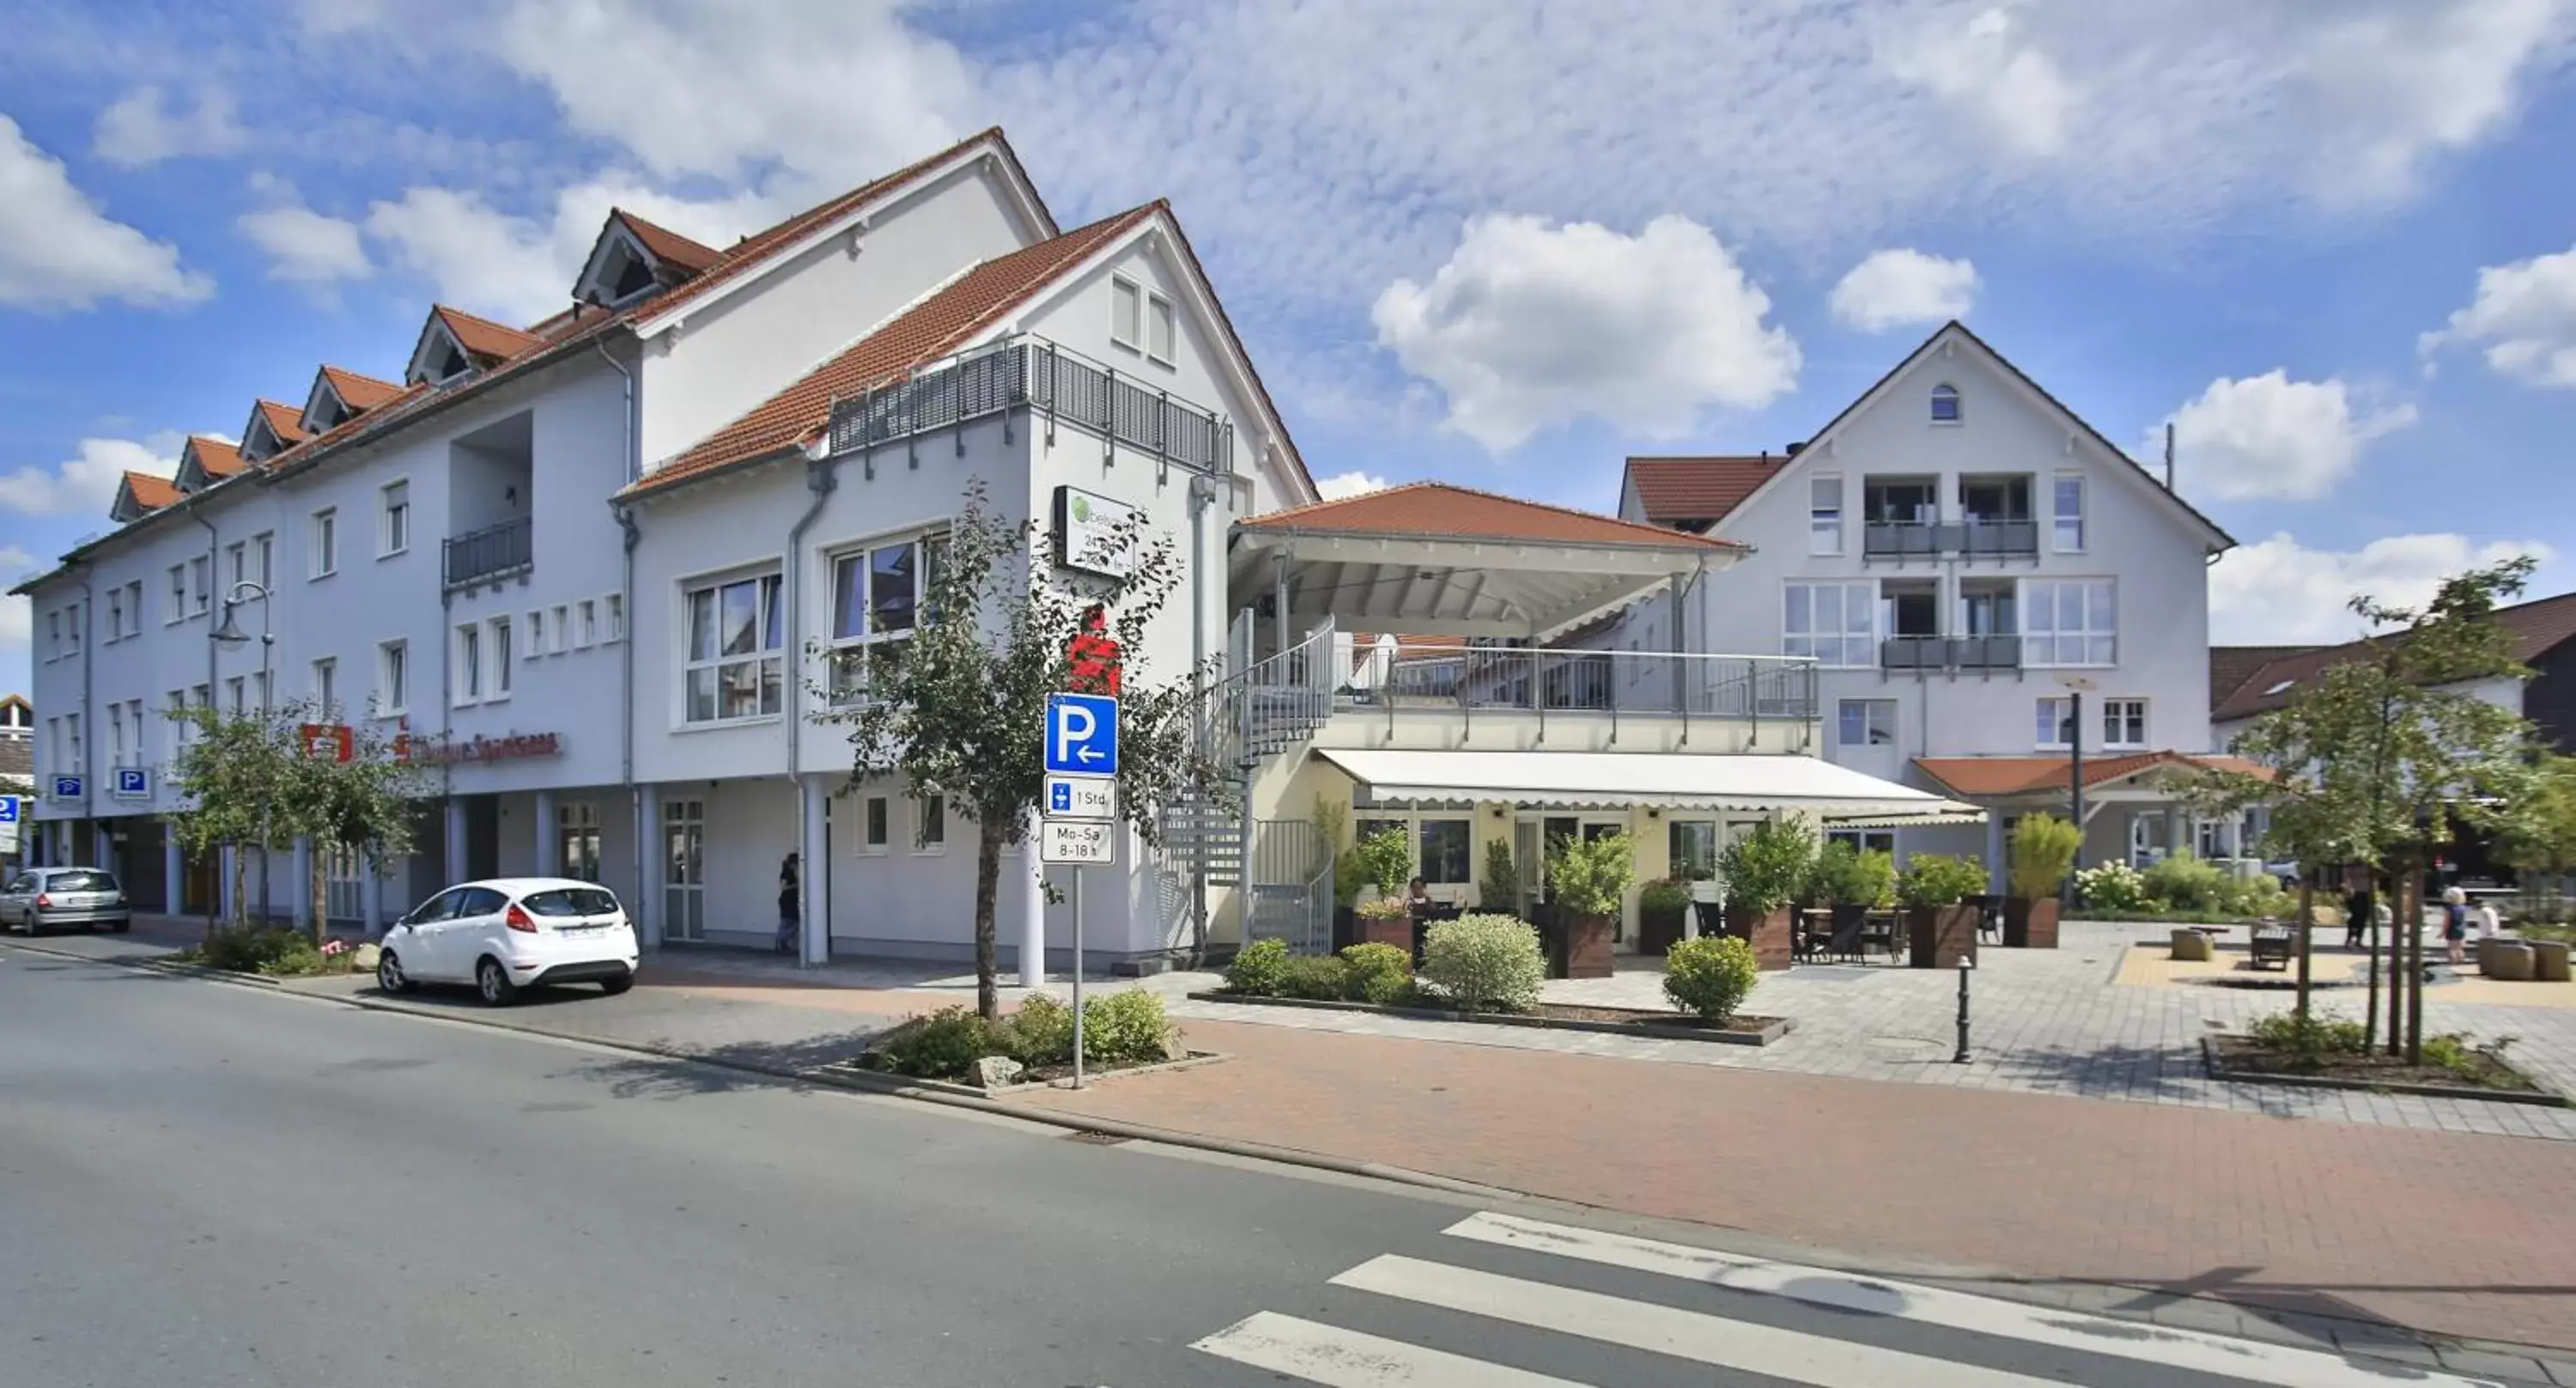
x=1291, y=886
x=1950, y=653
x=1970, y=538
x=1552, y=679
x=1055, y=384
x=491, y=552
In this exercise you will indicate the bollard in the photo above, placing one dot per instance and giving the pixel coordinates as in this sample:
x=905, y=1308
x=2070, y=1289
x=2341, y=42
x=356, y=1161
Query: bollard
x=1965, y=966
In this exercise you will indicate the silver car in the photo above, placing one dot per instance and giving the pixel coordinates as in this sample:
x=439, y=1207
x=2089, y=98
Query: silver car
x=60, y=898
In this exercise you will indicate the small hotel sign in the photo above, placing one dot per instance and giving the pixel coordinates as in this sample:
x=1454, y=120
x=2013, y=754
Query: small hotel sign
x=1089, y=529
x=516, y=747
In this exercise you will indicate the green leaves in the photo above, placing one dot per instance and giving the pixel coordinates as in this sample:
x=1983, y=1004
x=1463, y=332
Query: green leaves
x=1767, y=868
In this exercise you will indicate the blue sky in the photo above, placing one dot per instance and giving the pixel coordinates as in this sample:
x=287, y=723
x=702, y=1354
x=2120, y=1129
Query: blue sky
x=1500, y=242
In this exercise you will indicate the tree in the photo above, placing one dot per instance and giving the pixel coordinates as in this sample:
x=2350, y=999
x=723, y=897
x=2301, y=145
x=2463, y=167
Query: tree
x=957, y=708
x=232, y=769
x=2537, y=834
x=2381, y=759
x=365, y=805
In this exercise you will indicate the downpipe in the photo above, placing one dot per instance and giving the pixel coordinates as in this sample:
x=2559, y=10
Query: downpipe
x=822, y=478
x=629, y=535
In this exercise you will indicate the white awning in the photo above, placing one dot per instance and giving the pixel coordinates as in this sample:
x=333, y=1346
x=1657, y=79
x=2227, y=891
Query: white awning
x=1752, y=784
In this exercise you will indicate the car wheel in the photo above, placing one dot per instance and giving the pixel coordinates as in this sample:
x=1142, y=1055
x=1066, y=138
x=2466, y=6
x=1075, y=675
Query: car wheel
x=494, y=983
x=389, y=974
x=617, y=985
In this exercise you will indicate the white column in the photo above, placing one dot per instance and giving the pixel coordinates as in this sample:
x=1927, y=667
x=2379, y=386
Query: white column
x=103, y=848
x=549, y=859
x=814, y=875
x=174, y=896
x=371, y=892
x=455, y=839
x=302, y=891
x=1032, y=913
x=648, y=865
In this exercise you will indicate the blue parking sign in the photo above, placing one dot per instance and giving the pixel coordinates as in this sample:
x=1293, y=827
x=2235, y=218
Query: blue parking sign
x=1082, y=734
x=8, y=809
x=67, y=787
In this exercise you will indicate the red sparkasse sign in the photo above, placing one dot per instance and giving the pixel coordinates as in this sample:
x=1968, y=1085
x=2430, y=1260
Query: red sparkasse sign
x=329, y=741
x=1094, y=654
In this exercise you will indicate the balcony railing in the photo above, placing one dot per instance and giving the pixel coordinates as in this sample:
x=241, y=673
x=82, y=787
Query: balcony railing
x=1479, y=678
x=1053, y=383
x=1971, y=538
x=495, y=551
x=1950, y=653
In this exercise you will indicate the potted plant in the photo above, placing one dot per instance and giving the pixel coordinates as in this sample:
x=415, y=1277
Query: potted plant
x=1500, y=889
x=1764, y=871
x=1939, y=930
x=1591, y=887
x=1852, y=883
x=2043, y=851
x=1386, y=862
x=1662, y=906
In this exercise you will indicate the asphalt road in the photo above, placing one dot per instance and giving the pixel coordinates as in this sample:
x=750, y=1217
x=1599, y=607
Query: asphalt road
x=208, y=1185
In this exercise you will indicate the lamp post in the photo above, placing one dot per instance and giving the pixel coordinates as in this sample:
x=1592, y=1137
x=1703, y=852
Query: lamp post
x=229, y=635
x=2075, y=687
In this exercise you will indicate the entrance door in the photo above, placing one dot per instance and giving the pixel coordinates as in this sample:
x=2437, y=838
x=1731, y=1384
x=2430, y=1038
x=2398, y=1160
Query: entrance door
x=684, y=881
x=577, y=829
x=2146, y=839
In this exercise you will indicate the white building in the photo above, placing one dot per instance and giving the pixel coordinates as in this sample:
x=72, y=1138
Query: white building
x=1962, y=556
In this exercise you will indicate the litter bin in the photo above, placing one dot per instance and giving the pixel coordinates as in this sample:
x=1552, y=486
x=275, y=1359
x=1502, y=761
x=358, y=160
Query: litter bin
x=2549, y=960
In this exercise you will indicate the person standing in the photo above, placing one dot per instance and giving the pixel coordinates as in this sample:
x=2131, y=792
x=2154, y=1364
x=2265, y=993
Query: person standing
x=788, y=921
x=2455, y=926
x=2360, y=910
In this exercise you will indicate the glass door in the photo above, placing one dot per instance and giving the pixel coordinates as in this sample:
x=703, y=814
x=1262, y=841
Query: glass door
x=684, y=882
x=577, y=840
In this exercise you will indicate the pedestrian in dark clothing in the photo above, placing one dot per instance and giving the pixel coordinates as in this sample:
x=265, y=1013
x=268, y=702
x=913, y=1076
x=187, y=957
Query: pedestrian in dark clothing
x=2358, y=910
x=787, y=914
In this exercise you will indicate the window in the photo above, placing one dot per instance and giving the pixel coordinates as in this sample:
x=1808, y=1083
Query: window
x=536, y=632
x=1126, y=310
x=178, y=593
x=1865, y=840
x=201, y=585
x=2124, y=723
x=684, y=874
x=134, y=720
x=1831, y=622
x=1825, y=516
x=1447, y=848
x=589, y=625
x=577, y=831
x=54, y=635
x=116, y=734
x=115, y=613
x=134, y=608
x=393, y=678
x=500, y=640
x=237, y=564
x=872, y=839
x=1945, y=404
x=563, y=629
x=1867, y=723
x=930, y=824
x=2067, y=622
x=262, y=688
x=1692, y=845
x=177, y=718
x=2056, y=728
x=877, y=598
x=71, y=736
x=237, y=695
x=266, y=544
x=326, y=543
x=616, y=604
x=393, y=529
x=72, y=629
x=733, y=667
x=2067, y=523
x=1159, y=326
x=326, y=686
x=469, y=663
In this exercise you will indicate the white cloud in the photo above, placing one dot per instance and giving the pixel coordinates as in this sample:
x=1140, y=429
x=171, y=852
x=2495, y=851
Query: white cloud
x=16, y=622
x=1895, y=287
x=519, y=268
x=2525, y=313
x=1349, y=484
x=304, y=246
x=58, y=251
x=2268, y=436
x=1530, y=324
x=2401, y=81
x=2011, y=86
x=140, y=130
x=2281, y=592
x=84, y=483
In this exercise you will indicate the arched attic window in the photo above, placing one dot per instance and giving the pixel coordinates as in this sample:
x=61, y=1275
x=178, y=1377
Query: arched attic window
x=1945, y=403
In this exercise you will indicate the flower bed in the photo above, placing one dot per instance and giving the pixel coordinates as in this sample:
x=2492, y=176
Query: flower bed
x=1743, y=1029
x=1121, y=1031
x=2328, y=1054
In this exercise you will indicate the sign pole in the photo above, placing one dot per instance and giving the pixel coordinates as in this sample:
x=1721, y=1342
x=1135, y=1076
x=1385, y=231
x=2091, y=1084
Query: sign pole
x=1077, y=976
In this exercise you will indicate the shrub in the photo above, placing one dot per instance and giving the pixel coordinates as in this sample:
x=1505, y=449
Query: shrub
x=1386, y=858
x=1041, y=1032
x=2321, y=1035
x=1591, y=879
x=2185, y=883
x=1127, y=1028
x=1500, y=889
x=1846, y=876
x=1710, y=976
x=1482, y=961
x=2043, y=848
x=942, y=1045
x=251, y=949
x=1767, y=868
x=1664, y=894
x=1316, y=978
x=2111, y=887
x=1258, y=968
x=1937, y=879
x=1382, y=974
x=1384, y=908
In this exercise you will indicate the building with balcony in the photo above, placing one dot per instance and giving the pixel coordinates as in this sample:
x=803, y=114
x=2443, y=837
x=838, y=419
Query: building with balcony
x=1963, y=558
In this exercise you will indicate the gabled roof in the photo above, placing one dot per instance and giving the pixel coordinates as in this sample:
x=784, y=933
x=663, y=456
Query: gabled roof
x=935, y=327
x=1685, y=491
x=489, y=343
x=140, y=494
x=2536, y=628
x=206, y=460
x=667, y=246
x=2231, y=668
x=1454, y=512
x=1996, y=777
x=281, y=424
x=359, y=393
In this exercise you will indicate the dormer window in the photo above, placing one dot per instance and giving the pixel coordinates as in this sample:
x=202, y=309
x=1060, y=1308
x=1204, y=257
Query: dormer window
x=454, y=344
x=1945, y=404
x=633, y=258
x=273, y=429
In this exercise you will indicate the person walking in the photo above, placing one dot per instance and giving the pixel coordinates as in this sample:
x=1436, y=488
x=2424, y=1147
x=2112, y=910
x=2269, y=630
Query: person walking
x=2359, y=908
x=788, y=921
x=2455, y=926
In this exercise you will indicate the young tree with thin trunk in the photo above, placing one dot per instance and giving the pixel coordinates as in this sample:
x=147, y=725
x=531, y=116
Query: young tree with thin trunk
x=957, y=708
x=231, y=767
x=366, y=805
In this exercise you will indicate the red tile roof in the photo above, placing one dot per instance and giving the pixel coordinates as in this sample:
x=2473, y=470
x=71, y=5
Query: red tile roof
x=150, y=492
x=2536, y=628
x=1674, y=491
x=931, y=329
x=216, y=458
x=2231, y=668
x=1442, y=509
x=667, y=246
x=2002, y=776
x=489, y=343
x=285, y=421
x=359, y=393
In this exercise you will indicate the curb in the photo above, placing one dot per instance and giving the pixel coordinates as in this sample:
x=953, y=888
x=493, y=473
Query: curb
x=1773, y=1029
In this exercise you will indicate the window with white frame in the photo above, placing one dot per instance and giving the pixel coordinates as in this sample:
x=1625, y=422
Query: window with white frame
x=115, y=614
x=202, y=696
x=874, y=825
x=1825, y=515
x=72, y=629
x=178, y=593
x=2066, y=515
x=2069, y=622
x=266, y=544
x=78, y=761
x=201, y=584
x=878, y=597
x=1126, y=313
x=616, y=605
x=536, y=633
x=2056, y=724
x=237, y=695
x=1444, y=850
x=732, y=667
x=469, y=664
x=1866, y=723
x=259, y=686
x=563, y=628
x=393, y=678
x=54, y=635
x=177, y=719
x=236, y=564
x=326, y=687
x=589, y=625
x=1161, y=327
x=1945, y=404
x=930, y=823
x=1833, y=623
x=498, y=636
x=116, y=734
x=393, y=520
x=1865, y=840
x=326, y=542
x=2124, y=723
x=134, y=607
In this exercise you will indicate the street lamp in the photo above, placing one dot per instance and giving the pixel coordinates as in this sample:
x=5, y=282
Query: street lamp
x=2076, y=686
x=229, y=635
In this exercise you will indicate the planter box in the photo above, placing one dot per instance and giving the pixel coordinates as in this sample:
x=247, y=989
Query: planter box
x=1658, y=931
x=1587, y=946
x=1383, y=930
x=1345, y=929
x=1939, y=937
x=2030, y=922
x=1769, y=932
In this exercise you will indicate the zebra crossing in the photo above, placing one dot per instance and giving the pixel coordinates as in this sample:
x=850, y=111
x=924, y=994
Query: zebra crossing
x=1537, y=1303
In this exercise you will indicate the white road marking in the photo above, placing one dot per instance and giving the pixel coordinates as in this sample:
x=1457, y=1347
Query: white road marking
x=1762, y=1349
x=2223, y=1355
x=1350, y=1359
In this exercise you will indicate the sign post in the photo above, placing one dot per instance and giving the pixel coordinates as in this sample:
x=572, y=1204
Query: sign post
x=1081, y=818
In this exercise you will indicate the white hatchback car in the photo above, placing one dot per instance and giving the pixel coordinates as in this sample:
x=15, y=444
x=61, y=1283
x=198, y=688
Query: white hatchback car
x=509, y=933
